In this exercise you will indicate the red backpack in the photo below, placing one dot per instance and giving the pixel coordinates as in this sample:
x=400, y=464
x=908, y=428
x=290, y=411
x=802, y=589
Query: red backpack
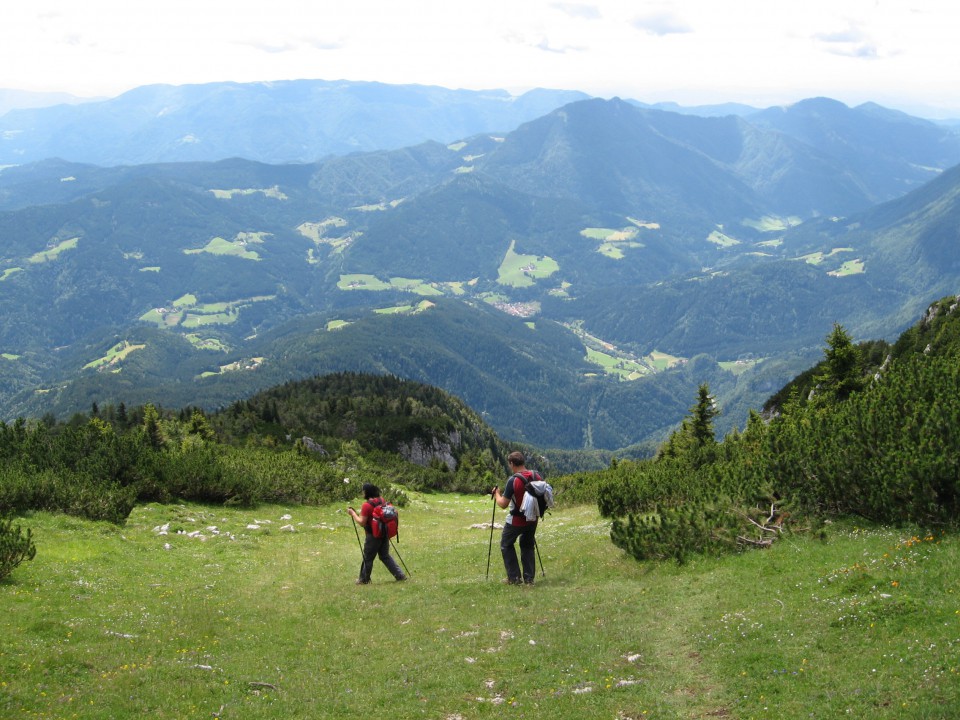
x=385, y=519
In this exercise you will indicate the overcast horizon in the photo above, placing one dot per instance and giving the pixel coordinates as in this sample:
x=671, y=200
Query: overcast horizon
x=897, y=53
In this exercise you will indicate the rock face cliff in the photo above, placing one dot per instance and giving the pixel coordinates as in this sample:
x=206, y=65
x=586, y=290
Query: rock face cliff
x=424, y=451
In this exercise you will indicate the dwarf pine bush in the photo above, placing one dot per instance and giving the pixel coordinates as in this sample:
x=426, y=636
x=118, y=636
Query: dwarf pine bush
x=15, y=547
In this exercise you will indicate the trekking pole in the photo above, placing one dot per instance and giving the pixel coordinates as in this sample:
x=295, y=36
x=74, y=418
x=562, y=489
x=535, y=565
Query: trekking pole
x=492, y=518
x=394, y=546
x=537, y=546
x=358, y=543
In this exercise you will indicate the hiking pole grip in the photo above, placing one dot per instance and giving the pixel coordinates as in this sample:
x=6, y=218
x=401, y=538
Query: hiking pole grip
x=358, y=535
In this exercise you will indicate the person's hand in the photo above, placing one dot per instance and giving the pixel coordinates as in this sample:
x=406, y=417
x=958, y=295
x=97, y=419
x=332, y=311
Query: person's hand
x=495, y=490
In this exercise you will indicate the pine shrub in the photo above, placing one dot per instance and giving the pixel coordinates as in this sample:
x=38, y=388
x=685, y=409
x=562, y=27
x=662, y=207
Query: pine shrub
x=15, y=547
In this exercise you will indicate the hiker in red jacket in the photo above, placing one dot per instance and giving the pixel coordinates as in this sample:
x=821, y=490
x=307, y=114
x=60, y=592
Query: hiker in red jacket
x=373, y=546
x=517, y=526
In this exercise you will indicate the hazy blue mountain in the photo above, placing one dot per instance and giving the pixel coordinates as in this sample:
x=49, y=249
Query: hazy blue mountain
x=718, y=110
x=888, y=151
x=276, y=122
x=24, y=99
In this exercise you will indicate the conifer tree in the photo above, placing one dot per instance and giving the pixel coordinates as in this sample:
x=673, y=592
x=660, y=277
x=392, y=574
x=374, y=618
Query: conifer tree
x=841, y=374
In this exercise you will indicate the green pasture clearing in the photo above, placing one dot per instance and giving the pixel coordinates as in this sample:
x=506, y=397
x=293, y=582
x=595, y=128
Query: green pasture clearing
x=115, y=355
x=52, y=252
x=646, y=224
x=772, y=223
x=850, y=267
x=205, y=343
x=10, y=271
x=662, y=360
x=317, y=231
x=523, y=270
x=721, y=240
x=151, y=268
x=271, y=192
x=253, y=614
x=416, y=286
x=562, y=291
x=612, y=365
x=463, y=170
x=816, y=258
x=9, y=356
x=337, y=324
x=614, y=242
x=378, y=207
x=238, y=365
x=776, y=242
x=359, y=281
x=405, y=309
x=457, y=147
x=187, y=313
x=609, y=235
x=738, y=367
x=232, y=248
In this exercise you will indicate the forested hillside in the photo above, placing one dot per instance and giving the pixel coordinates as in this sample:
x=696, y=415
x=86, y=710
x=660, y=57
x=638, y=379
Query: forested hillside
x=297, y=443
x=872, y=431
x=575, y=279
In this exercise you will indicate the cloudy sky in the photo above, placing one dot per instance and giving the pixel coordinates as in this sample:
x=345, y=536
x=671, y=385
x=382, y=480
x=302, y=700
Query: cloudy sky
x=900, y=53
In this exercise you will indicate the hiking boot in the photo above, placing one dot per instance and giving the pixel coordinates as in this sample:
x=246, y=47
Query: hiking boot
x=362, y=582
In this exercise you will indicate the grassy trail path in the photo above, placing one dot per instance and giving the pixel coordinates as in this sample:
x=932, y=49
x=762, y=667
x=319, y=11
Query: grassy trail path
x=254, y=614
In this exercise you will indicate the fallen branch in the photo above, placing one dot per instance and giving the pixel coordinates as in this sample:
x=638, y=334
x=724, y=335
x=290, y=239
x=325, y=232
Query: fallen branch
x=773, y=525
x=256, y=684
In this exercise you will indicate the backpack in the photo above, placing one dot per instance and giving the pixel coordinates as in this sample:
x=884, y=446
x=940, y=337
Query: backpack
x=537, y=496
x=385, y=519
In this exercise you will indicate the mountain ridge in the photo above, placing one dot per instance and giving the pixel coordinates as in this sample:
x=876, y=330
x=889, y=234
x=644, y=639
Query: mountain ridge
x=628, y=237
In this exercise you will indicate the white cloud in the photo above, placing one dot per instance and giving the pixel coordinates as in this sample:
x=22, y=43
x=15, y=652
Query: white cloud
x=662, y=23
x=897, y=52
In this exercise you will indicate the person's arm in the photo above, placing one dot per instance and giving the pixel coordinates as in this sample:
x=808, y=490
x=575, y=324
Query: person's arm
x=359, y=518
x=503, y=501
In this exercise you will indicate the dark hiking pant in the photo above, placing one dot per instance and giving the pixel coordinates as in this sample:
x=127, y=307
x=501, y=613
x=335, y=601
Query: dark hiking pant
x=528, y=557
x=378, y=547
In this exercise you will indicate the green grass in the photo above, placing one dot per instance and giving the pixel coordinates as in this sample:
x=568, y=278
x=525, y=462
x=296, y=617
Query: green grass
x=850, y=267
x=518, y=270
x=232, y=248
x=186, y=313
x=772, y=223
x=53, y=252
x=272, y=192
x=621, y=367
x=115, y=622
x=118, y=353
x=720, y=239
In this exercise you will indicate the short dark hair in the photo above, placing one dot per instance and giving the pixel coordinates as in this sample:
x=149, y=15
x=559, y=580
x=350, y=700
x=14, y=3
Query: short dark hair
x=370, y=491
x=516, y=458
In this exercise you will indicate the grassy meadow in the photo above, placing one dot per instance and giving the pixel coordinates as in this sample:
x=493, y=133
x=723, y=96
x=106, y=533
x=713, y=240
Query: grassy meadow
x=236, y=613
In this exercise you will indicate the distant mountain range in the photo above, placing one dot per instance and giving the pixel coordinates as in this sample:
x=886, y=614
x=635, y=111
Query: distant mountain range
x=573, y=277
